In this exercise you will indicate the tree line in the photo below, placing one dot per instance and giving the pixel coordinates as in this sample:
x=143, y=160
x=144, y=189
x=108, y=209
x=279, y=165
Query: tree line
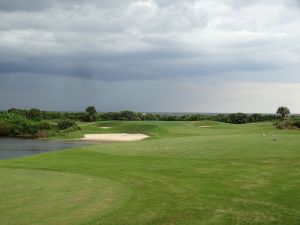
x=32, y=125
x=91, y=115
x=37, y=123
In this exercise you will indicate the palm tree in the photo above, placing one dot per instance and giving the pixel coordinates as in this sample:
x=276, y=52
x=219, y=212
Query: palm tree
x=283, y=112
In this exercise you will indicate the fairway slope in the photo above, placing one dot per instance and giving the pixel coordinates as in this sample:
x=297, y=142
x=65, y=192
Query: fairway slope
x=56, y=198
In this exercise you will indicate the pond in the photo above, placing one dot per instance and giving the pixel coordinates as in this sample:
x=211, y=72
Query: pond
x=17, y=147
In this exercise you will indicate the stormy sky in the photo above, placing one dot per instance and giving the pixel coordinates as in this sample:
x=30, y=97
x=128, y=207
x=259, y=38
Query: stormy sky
x=150, y=55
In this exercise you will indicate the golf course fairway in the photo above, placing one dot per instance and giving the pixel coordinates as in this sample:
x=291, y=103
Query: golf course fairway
x=185, y=173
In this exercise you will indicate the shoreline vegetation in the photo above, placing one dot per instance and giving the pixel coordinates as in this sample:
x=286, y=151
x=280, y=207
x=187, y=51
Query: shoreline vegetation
x=35, y=123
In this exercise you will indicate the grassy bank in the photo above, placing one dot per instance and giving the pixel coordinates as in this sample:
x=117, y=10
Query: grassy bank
x=184, y=174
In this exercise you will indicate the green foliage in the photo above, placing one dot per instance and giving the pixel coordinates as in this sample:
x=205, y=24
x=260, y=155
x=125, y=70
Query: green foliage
x=5, y=128
x=21, y=112
x=65, y=124
x=128, y=115
x=283, y=112
x=43, y=125
x=34, y=114
x=91, y=110
x=53, y=115
x=238, y=118
x=12, y=124
x=285, y=124
x=297, y=123
x=91, y=114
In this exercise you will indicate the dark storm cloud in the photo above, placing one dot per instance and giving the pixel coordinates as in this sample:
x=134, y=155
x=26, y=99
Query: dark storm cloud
x=144, y=40
x=143, y=66
x=41, y=5
x=27, y=5
x=150, y=55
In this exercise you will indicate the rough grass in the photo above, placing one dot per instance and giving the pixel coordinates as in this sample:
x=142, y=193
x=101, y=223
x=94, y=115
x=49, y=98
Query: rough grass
x=225, y=174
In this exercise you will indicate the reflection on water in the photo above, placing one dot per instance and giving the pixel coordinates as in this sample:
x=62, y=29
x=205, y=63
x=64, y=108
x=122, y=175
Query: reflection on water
x=17, y=147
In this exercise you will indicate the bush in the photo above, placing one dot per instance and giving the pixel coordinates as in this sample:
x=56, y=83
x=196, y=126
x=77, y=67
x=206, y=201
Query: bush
x=284, y=124
x=14, y=124
x=65, y=124
x=238, y=118
x=45, y=126
x=297, y=123
x=34, y=114
x=4, y=129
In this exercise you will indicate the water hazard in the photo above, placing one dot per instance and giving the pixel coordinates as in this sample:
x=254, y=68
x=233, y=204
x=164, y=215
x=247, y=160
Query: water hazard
x=17, y=147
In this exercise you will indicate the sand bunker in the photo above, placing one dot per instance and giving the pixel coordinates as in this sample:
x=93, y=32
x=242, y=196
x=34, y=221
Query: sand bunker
x=105, y=127
x=204, y=126
x=114, y=137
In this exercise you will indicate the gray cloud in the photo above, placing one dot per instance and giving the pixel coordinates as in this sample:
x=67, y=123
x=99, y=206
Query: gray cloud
x=120, y=40
x=133, y=66
x=28, y=5
x=148, y=41
x=66, y=93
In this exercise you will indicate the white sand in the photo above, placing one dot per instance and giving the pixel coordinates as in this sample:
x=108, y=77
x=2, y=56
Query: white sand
x=114, y=137
x=105, y=127
x=204, y=126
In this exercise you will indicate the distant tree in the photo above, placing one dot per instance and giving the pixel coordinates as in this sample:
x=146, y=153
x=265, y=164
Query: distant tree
x=13, y=110
x=127, y=115
x=283, y=112
x=255, y=117
x=18, y=111
x=34, y=114
x=238, y=118
x=220, y=118
x=91, y=113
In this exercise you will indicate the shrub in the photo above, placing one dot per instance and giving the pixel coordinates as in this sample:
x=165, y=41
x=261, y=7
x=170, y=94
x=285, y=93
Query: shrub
x=238, y=118
x=86, y=118
x=297, y=123
x=65, y=124
x=127, y=115
x=34, y=114
x=29, y=129
x=4, y=129
x=284, y=124
x=44, y=125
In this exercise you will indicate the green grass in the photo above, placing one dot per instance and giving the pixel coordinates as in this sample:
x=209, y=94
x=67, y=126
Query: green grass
x=183, y=174
x=149, y=128
x=46, y=197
